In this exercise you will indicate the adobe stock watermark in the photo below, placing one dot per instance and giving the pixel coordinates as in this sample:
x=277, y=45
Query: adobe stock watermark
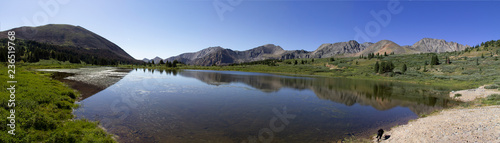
x=11, y=73
x=49, y=8
x=266, y=135
x=382, y=19
x=223, y=6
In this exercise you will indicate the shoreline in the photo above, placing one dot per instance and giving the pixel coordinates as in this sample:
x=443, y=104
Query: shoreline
x=86, y=88
x=459, y=124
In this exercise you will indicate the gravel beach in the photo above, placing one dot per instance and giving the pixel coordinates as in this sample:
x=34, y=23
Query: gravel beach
x=478, y=124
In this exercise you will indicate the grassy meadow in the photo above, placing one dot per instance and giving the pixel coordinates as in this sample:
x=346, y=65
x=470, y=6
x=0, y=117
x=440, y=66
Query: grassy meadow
x=43, y=110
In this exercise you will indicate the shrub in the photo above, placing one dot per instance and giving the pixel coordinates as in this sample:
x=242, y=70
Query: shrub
x=491, y=86
x=70, y=94
x=458, y=95
x=493, y=99
x=448, y=68
x=468, y=72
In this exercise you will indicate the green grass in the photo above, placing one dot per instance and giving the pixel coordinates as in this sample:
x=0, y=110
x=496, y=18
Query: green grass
x=493, y=99
x=51, y=64
x=353, y=139
x=491, y=87
x=44, y=111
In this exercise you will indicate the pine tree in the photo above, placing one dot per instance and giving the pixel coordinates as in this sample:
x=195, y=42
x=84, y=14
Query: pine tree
x=296, y=62
x=376, y=67
x=174, y=63
x=385, y=67
x=161, y=62
x=168, y=64
x=312, y=60
x=404, y=68
x=332, y=59
x=434, y=60
x=391, y=67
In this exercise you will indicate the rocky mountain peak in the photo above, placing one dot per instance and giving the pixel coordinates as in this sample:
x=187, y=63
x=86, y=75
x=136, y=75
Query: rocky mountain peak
x=221, y=56
x=427, y=45
x=331, y=49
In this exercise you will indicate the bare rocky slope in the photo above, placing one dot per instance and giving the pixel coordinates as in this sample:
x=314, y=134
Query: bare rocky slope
x=386, y=47
x=329, y=50
x=221, y=56
x=429, y=45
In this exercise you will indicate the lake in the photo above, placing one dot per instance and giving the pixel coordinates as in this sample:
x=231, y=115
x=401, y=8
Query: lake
x=227, y=106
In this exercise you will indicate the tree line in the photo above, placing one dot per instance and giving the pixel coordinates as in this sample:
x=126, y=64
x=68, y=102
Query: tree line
x=167, y=63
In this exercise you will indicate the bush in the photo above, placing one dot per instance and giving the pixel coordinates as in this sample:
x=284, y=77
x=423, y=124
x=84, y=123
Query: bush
x=70, y=94
x=468, y=72
x=491, y=86
x=493, y=99
x=458, y=95
x=448, y=68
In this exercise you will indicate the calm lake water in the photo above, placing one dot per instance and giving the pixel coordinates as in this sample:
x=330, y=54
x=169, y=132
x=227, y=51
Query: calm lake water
x=227, y=106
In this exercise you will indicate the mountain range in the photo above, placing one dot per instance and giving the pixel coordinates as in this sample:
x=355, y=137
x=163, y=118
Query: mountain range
x=88, y=46
x=222, y=56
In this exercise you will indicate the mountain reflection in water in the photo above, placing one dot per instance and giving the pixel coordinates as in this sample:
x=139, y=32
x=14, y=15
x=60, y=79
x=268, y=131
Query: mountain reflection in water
x=378, y=94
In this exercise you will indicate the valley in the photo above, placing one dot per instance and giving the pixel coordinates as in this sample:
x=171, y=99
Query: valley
x=337, y=79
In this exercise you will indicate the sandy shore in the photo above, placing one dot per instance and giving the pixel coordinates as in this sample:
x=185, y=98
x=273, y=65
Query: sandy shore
x=479, y=124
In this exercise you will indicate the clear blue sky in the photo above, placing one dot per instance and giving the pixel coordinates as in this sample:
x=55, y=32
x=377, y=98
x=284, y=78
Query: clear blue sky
x=170, y=27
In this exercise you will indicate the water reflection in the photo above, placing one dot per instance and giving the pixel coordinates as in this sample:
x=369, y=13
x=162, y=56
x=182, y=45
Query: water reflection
x=378, y=94
x=161, y=71
x=158, y=105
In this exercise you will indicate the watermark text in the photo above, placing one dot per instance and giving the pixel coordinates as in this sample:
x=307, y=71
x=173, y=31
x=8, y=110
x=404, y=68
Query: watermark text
x=11, y=54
